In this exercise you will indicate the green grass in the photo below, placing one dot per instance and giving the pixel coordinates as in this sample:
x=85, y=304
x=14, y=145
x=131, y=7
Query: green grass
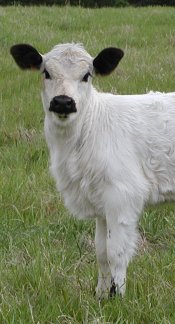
x=48, y=269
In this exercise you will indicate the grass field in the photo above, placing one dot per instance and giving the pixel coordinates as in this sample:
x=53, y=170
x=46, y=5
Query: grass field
x=48, y=269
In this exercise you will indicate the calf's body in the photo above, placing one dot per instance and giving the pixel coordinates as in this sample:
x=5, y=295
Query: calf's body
x=120, y=157
x=110, y=157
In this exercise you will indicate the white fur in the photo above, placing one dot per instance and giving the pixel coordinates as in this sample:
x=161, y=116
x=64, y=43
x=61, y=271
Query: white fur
x=109, y=159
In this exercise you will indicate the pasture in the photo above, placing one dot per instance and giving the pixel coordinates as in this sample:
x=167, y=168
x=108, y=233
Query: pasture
x=48, y=267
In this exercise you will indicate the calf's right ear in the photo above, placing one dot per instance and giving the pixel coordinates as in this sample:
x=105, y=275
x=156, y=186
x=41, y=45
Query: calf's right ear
x=26, y=56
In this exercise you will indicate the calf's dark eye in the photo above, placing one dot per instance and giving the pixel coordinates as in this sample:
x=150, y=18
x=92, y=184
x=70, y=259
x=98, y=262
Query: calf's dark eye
x=86, y=76
x=46, y=73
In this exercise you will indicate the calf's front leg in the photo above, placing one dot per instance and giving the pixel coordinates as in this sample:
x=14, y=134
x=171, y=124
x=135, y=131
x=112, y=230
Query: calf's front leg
x=104, y=276
x=121, y=244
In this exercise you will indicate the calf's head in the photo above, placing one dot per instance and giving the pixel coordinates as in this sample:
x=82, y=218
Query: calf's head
x=67, y=72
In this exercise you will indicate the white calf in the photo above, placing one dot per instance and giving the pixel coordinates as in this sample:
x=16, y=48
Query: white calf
x=110, y=154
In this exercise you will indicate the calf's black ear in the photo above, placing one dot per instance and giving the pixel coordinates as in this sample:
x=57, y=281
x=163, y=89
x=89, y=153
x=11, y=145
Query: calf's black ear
x=107, y=60
x=26, y=56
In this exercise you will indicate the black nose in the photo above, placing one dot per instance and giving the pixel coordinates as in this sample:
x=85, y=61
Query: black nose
x=62, y=105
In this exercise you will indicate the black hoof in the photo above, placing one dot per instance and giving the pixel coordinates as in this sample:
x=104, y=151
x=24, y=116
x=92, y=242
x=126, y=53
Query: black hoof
x=112, y=292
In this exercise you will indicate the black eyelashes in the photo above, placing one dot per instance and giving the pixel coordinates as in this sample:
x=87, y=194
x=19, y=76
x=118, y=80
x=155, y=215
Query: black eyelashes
x=47, y=75
x=86, y=76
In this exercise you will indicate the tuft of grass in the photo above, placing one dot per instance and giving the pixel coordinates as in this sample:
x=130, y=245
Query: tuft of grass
x=47, y=267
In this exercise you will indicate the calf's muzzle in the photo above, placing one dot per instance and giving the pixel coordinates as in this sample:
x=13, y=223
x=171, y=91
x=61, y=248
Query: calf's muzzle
x=62, y=105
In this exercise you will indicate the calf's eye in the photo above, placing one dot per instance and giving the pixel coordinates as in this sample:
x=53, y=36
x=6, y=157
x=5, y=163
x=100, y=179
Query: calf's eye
x=86, y=76
x=46, y=73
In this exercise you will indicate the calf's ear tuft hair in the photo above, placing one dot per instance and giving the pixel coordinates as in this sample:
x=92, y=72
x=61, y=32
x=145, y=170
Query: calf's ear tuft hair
x=107, y=60
x=26, y=56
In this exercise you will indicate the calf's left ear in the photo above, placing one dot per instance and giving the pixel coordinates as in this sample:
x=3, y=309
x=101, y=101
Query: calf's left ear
x=107, y=60
x=26, y=56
